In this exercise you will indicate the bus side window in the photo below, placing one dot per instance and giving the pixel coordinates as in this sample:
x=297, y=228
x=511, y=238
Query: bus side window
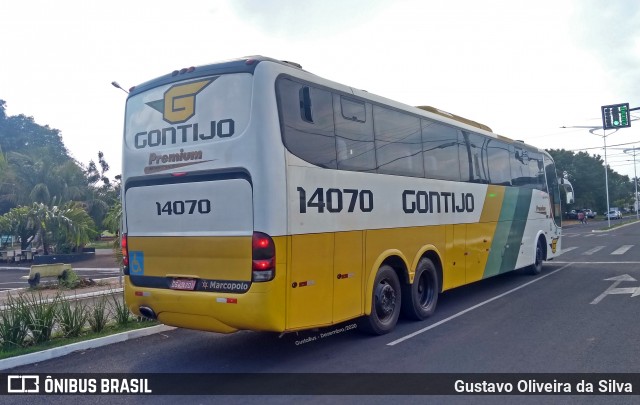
x=354, y=134
x=398, y=143
x=306, y=121
x=441, y=152
x=477, y=152
x=498, y=156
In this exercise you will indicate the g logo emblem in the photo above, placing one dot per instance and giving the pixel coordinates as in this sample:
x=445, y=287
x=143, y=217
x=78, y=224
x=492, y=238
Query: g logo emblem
x=179, y=102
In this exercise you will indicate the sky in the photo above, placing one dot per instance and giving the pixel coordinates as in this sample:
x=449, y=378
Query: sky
x=524, y=68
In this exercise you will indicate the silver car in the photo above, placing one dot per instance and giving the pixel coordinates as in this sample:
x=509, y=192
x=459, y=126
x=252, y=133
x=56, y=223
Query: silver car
x=614, y=214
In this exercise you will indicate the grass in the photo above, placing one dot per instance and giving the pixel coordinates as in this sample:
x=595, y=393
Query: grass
x=616, y=223
x=59, y=340
x=32, y=322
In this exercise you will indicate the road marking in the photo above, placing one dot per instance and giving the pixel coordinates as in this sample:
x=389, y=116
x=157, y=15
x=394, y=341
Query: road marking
x=621, y=250
x=418, y=332
x=594, y=250
x=600, y=263
x=565, y=250
x=613, y=288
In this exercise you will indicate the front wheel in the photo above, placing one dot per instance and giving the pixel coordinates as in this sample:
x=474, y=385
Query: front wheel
x=536, y=267
x=385, y=303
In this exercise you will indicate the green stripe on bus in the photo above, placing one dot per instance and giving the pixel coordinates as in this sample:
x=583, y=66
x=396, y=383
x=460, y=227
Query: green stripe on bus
x=509, y=231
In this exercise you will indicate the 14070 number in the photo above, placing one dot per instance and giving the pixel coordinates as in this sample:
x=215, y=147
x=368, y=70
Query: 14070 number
x=334, y=200
x=184, y=207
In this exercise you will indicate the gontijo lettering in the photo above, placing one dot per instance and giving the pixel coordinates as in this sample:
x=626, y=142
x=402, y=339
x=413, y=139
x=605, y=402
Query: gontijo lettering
x=183, y=134
x=432, y=201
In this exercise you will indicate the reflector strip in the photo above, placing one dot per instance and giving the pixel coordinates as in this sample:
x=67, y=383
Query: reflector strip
x=227, y=300
x=142, y=294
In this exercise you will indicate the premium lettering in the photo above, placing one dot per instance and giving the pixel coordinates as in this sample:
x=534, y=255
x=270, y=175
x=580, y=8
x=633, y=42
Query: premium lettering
x=182, y=156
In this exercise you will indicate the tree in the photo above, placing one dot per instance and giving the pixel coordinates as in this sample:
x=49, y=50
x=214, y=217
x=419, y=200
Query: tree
x=72, y=226
x=586, y=174
x=102, y=192
x=19, y=222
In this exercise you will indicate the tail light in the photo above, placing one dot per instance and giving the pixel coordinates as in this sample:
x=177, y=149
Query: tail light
x=125, y=253
x=264, y=257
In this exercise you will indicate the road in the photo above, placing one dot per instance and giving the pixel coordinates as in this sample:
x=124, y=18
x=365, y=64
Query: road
x=101, y=266
x=579, y=316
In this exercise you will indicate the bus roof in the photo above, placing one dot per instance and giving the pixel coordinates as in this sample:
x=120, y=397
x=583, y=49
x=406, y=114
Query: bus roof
x=246, y=64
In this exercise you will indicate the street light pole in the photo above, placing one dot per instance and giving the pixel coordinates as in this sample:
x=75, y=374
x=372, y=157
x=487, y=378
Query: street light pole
x=606, y=168
x=635, y=178
x=117, y=86
x=606, y=175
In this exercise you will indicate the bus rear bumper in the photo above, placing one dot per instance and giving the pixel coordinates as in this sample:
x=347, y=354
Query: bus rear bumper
x=258, y=309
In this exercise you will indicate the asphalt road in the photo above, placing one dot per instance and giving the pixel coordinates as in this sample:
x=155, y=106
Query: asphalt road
x=579, y=316
x=101, y=265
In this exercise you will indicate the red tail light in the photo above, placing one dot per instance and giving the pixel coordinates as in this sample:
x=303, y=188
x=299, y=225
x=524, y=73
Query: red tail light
x=125, y=252
x=264, y=257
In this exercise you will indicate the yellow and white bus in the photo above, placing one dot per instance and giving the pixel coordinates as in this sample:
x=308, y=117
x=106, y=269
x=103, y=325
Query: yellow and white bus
x=259, y=196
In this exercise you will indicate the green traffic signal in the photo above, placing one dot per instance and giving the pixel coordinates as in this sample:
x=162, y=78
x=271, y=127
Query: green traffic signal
x=615, y=116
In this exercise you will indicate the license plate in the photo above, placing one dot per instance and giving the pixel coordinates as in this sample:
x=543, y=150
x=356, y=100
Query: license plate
x=182, y=284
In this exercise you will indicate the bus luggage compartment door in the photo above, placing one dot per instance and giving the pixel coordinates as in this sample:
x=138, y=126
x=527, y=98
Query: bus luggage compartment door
x=192, y=228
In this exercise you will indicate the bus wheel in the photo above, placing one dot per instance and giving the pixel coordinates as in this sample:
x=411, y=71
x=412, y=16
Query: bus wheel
x=386, y=303
x=420, y=298
x=536, y=267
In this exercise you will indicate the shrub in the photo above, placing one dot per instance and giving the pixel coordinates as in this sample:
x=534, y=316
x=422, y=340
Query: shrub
x=13, y=325
x=120, y=310
x=72, y=317
x=99, y=315
x=69, y=279
x=40, y=315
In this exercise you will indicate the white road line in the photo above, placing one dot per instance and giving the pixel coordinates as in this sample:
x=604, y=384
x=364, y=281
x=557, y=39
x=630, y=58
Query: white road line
x=594, y=250
x=599, y=263
x=621, y=250
x=418, y=332
x=569, y=249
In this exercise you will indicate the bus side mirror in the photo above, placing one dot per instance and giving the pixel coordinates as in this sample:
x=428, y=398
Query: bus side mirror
x=570, y=199
x=568, y=189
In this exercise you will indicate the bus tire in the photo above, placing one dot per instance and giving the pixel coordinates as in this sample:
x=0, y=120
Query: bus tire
x=419, y=299
x=536, y=267
x=385, y=303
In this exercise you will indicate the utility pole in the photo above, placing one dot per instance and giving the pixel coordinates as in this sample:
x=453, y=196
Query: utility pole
x=634, y=151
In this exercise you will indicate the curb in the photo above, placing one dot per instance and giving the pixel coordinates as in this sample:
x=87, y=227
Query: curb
x=615, y=227
x=89, y=344
x=81, y=296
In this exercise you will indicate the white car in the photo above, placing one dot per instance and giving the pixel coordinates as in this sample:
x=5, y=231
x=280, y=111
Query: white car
x=614, y=214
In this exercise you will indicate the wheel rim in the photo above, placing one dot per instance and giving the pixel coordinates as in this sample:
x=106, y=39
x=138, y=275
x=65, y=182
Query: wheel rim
x=385, y=300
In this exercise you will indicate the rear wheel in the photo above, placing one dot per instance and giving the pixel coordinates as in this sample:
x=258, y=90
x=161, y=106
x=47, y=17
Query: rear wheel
x=536, y=267
x=420, y=298
x=385, y=303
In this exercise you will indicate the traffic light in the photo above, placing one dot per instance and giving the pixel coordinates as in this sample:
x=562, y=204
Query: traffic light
x=607, y=120
x=615, y=116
